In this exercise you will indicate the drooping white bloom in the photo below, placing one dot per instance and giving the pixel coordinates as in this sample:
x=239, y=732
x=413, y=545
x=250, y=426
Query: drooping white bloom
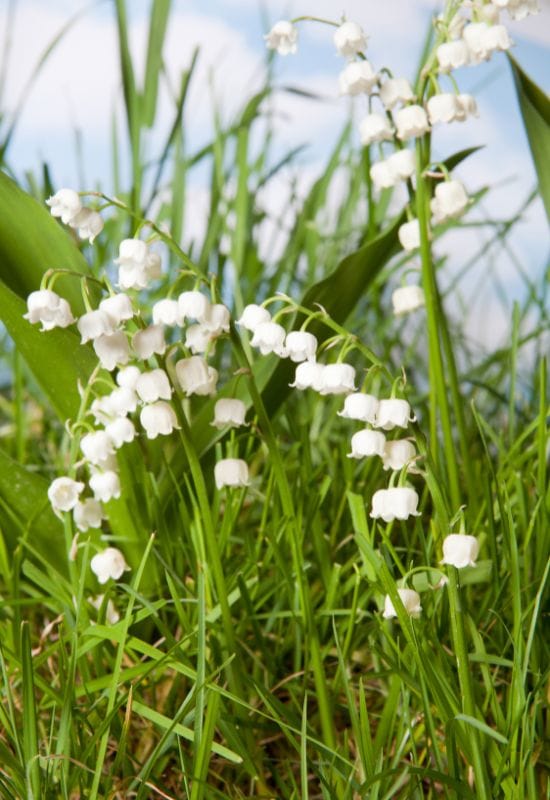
x=48, y=308
x=460, y=550
x=367, y=443
x=96, y=447
x=217, y=319
x=409, y=235
x=360, y=406
x=406, y=299
x=193, y=305
x=337, y=379
x=283, y=37
x=158, y=419
x=269, y=337
x=375, y=128
x=396, y=503
x=394, y=91
x=149, y=341
x=231, y=472
x=197, y=338
x=300, y=346
x=127, y=377
x=452, y=55
x=309, y=375
x=466, y=107
x=393, y=413
x=167, y=312
x=450, y=201
x=120, y=431
x=112, y=350
x=105, y=485
x=88, y=224
x=399, y=166
x=63, y=493
x=519, y=9
x=132, y=261
x=397, y=453
x=153, y=385
x=229, y=412
x=121, y=402
x=252, y=316
x=483, y=39
x=111, y=614
x=350, y=39
x=94, y=324
x=109, y=564
x=411, y=121
x=442, y=108
x=118, y=308
x=358, y=77
x=65, y=204
x=411, y=601
x=195, y=376
x=382, y=175
x=88, y=514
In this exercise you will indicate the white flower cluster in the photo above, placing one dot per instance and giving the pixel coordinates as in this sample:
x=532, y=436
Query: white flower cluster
x=66, y=205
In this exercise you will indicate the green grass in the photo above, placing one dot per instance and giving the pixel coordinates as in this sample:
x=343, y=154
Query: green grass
x=251, y=658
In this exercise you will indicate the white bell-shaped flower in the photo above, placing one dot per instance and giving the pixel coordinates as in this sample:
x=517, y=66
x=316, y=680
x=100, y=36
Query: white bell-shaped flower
x=231, y=472
x=118, y=308
x=193, y=305
x=358, y=77
x=88, y=224
x=452, y=55
x=519, y=9
x=350, y=39
x=411, y=121
x=111, y=614
x=402, y=163
x=309, y=375
x=450, y=201
x=409, y=235
x=149, y=341
x=252, y=316
x=88, y=514
x=460, y=550
x=109, y=564
x=105, y=484
x=393, y=413
x=300, y=346
x=198, y=338
x=483, y=40
x=269, y=337
x=94, y=324
x=375, y=128
x=120, y=431
x=398, y=453
x=466, y=107
x=121, y=401
x=158, y=419
x=195, y=376
x=411, y=601
x=153, y=385
x=394, y=91
x=127, y=377
x=217, y=319
x=397, y=503
x=229, y=412
x=338, y=379
x=360, y=406
x=65, y=204
x=367, y=443
x=112, y=350
x=382, y=175
x=406, y=299
x=132, y=261
x=167, y=312
x=48, y=308
x=442, y=107
x=63, y=493
x=96, y=447
x=283, y=37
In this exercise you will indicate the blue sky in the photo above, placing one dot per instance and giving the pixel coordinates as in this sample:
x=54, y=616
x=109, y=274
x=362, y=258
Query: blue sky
x=79, y=87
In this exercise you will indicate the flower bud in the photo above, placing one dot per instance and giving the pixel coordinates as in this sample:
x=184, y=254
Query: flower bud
x=231, y=472
x=108, y=564
x=409, y=598
x=460, y=550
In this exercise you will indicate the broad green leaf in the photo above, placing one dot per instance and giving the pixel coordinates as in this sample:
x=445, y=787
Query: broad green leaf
x=31, y=242
x=24, y=508
x=535, y=110
x=56, y=358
